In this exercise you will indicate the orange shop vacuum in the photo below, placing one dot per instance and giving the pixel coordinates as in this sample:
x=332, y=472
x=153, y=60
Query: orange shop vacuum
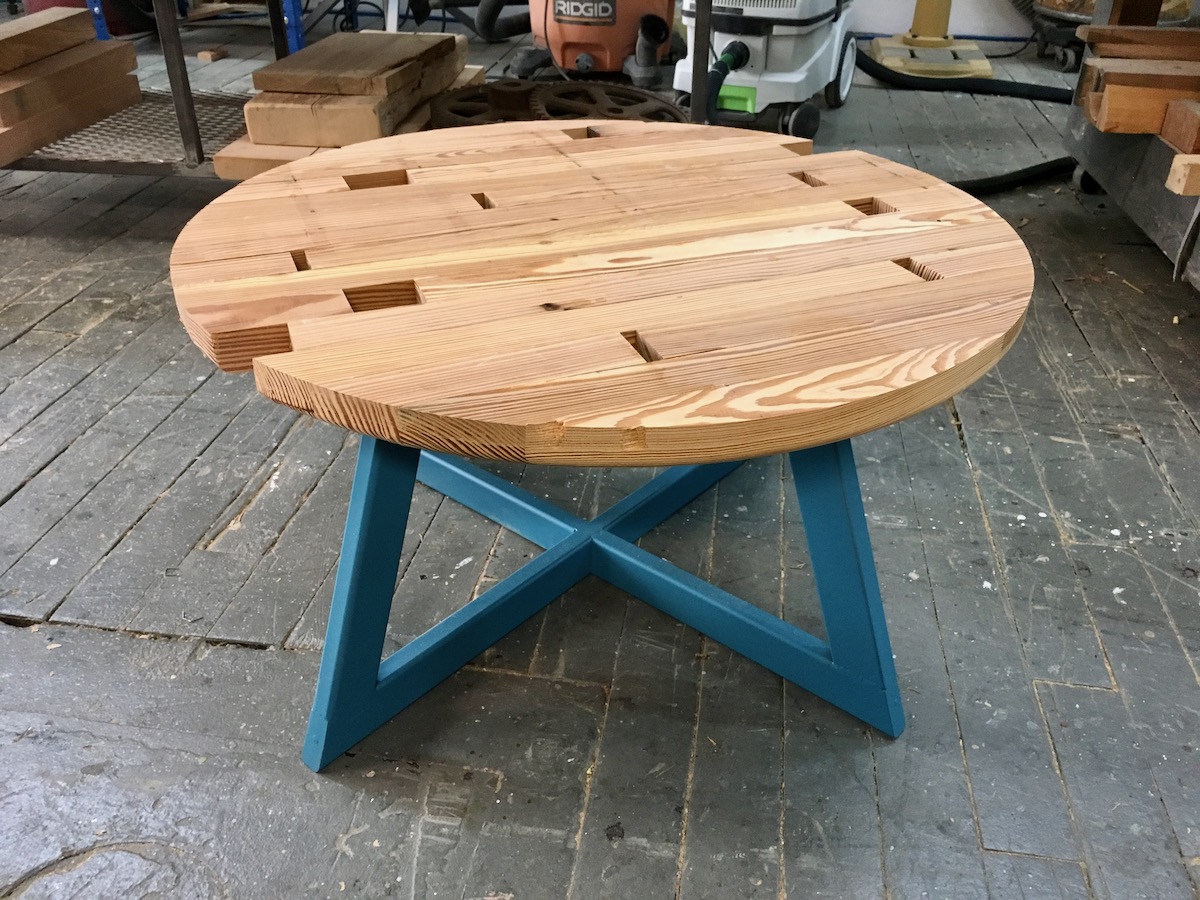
x=586, y=37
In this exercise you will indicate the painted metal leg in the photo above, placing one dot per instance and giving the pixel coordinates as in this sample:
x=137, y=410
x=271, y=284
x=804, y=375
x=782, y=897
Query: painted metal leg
x=844, y=568
x=356, y=692
x=362, y=596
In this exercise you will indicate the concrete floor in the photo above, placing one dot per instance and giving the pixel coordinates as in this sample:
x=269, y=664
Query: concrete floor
x=168, y=538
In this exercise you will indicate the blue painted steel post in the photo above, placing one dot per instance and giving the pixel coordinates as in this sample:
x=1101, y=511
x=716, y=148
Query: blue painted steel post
x=293, y=20
x=844, y=568
x=362, y=595
x=97, y=10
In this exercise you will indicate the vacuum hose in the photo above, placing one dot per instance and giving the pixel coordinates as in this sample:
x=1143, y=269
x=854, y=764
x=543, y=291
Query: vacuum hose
x=995, y=184
x=490, y=27
x=734, y=56
x=652, y=32
x=965, y=85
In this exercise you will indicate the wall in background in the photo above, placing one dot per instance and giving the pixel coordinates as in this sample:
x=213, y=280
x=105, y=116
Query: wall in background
x=986, y=17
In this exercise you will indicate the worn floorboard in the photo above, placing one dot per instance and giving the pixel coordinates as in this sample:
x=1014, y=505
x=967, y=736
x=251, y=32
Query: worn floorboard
x=168, y=543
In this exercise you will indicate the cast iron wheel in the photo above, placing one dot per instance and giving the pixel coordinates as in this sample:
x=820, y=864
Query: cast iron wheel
x=601, y=100
x=1066, y=59
x=1085, y=182
x=800, y=120
x=472, y=105
x=838, y=90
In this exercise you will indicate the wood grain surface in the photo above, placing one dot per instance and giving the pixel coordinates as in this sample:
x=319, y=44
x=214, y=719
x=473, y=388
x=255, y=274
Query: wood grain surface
x=358, y=63
x=605, y=293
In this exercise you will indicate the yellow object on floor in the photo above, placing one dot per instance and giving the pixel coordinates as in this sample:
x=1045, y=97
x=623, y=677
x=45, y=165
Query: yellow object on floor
x=929, y=50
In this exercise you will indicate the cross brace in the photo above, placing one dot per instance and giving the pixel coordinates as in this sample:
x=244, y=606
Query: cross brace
x=356, y=693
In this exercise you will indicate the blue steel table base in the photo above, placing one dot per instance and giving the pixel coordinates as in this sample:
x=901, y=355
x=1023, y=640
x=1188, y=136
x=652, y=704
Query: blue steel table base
x=356, y=692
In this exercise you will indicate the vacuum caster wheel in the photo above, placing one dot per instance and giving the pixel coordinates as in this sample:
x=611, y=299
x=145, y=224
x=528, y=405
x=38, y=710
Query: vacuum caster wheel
x=1084, y=182
x=1066, y=59
x=800, y=120
x=838, y=90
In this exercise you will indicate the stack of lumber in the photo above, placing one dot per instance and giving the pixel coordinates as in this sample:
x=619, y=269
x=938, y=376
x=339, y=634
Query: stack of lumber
x=344, y=89
x=1146, y=80
x=1134, y=73
x=56, y=79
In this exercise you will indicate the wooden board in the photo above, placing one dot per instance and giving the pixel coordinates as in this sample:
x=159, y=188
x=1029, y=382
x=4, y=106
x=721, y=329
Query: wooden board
x=330, y=120
x=1150, y=73
x=1138, y=34
x=244, y=159
x=1147, y=51
x=41, y=34
x=602, y=292
x=56, y=122
x=1181, y=126
x=1184, y=177
x=48, y=82
x=1134, y=110
x=366, y=62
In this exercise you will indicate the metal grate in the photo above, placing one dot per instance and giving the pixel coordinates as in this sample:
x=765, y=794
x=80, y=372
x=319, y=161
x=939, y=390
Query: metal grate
x=145, y=137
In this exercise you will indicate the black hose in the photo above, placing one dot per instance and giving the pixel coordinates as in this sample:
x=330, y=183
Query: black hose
x=734, y=56
x=493, y=29
x=965, y=85
x=716, y=78
x=994, y=184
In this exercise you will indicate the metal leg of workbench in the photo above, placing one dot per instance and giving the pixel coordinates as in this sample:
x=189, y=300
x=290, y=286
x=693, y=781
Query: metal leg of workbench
x=167, y=18
x=357, y=692
x=701, y=45
x=97, y=10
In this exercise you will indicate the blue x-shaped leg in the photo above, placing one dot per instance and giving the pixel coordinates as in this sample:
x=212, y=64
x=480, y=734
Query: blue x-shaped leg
x=356, y=693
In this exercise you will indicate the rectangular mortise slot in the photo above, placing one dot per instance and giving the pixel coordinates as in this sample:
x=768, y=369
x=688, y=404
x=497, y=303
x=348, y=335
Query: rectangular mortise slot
x=643, y=349
x=376, y=179
x=871, y=206
x=919, y=269
x=382, y=296
x=581, y=134
x=300, y=260
x=810, y=180
x=484, y=201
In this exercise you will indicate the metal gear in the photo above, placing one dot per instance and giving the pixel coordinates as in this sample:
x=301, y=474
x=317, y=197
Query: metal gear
x=601, y=100
x=482, y=104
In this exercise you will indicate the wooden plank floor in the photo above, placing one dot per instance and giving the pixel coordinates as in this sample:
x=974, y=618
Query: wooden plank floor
x=167, y=547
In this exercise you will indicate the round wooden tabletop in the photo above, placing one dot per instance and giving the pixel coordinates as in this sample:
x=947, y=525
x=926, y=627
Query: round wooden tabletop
x=602, y=293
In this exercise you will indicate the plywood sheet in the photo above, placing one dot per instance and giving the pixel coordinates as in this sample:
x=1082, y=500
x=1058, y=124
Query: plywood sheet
x=602, y=293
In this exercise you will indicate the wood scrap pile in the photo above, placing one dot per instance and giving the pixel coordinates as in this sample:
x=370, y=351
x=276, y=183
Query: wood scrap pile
x=56, y=79
x=347, y=88
x=1146, y=80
